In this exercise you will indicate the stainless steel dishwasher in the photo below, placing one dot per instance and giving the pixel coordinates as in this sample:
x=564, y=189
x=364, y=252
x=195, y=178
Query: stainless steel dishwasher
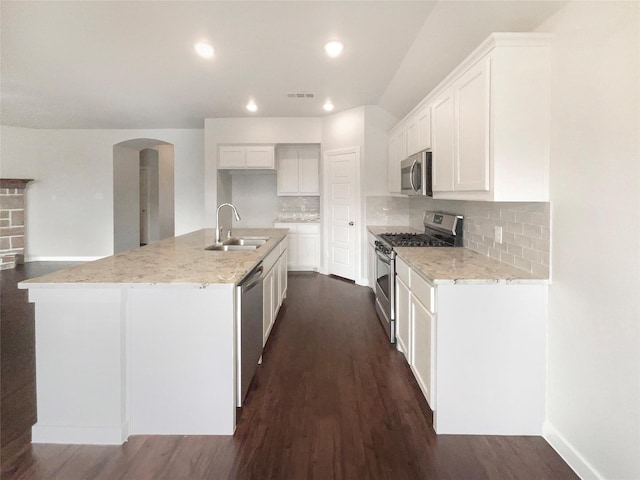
x=249, y=295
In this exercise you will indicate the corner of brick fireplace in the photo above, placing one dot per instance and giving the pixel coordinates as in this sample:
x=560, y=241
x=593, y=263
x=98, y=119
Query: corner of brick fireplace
x=12, y=224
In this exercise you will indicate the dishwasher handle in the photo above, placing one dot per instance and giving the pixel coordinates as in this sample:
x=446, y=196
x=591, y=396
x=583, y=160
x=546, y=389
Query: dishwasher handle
x=253, y=279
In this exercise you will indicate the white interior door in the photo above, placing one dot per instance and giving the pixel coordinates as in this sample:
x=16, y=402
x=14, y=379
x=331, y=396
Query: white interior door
x=342, y=211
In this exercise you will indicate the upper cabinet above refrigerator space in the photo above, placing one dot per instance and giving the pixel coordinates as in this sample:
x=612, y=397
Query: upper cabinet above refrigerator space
x=298, y=170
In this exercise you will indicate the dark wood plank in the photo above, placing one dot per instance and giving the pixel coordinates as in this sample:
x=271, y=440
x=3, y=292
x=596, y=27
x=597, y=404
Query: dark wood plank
x=331, y=400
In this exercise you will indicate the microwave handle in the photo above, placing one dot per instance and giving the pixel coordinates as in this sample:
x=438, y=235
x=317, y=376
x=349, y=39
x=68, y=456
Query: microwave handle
x=413, y=167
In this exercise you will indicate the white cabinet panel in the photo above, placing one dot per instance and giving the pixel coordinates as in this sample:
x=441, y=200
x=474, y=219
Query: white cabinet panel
x=231, y=157
x=472, y=97
x=424, y=128
x=309, y=172
x=443, y=142
x=422, y=349
x=267, y=305
x=413, y=137
x=396, y=153
x=287, y=172
x=303, y=245
x=238, y=157
x=260, y=157
x=299, y=171
x=403, y=318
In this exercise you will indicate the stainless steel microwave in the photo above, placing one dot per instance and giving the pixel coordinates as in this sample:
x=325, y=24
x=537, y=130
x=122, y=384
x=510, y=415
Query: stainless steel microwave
x=416, y=174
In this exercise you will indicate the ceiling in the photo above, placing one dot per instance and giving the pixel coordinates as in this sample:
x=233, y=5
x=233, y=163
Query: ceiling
x=119, y=64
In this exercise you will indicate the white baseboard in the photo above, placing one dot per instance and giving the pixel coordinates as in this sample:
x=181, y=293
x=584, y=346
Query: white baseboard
x=569, y=453
x=80, y=435
x=61, y=259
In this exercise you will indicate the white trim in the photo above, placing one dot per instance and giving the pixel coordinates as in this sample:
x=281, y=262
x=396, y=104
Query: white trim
x=569, y=453
x=63, y=259
x=80, y=435
x=324, y=261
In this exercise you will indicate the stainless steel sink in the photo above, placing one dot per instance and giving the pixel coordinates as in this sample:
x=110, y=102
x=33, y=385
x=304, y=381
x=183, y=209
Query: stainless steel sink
x=239, y=244
x=230, y=248
x=246, y=241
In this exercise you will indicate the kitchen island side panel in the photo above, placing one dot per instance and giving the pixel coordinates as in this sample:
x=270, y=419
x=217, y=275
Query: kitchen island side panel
x=80, y=360
x=491, y=359
x=182, y=367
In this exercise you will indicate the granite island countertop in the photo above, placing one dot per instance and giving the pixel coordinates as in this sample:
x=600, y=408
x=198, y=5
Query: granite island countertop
x=175, y=261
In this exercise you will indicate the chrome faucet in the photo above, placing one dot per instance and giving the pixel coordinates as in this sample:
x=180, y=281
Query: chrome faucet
x=218, y=228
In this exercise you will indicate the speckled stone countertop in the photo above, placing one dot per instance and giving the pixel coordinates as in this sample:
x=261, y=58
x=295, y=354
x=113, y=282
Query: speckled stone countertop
x=174, y=261
x=444, y=265
x=456, y=265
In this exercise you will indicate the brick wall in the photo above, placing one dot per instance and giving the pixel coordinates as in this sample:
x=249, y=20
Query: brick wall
x=12, y=203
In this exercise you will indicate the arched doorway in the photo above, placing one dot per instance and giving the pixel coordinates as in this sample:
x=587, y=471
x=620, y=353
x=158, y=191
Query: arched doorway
x=143, y=193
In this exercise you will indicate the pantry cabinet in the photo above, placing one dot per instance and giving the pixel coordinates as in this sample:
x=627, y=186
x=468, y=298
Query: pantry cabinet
x=298, y=171
x=246, y=157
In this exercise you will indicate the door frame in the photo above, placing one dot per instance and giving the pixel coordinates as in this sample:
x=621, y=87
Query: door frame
x=326, y=163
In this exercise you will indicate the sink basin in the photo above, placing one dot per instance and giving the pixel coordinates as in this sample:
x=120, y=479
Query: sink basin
x=256, y=241
x=230, y=248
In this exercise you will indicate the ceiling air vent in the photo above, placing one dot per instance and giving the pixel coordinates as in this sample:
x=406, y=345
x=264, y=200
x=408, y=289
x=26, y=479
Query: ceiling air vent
x=300, y=95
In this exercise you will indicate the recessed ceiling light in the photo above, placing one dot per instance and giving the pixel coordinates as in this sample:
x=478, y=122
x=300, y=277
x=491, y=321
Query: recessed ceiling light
x=328, y=106
x=333, y=48
x=251, y=106
x=204, y=49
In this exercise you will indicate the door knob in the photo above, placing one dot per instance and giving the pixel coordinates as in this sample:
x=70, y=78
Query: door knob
x=351, y=224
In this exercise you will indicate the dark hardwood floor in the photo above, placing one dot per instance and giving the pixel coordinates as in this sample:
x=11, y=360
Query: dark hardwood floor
x=332, y=400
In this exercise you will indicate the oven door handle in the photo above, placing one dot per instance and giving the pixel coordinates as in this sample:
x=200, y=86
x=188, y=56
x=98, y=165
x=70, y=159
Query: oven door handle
x=384, y=257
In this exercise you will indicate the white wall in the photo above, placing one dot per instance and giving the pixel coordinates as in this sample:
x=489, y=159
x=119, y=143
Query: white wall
x=255, y=197
x=377, y=122
x=70, y=205
x=594, y=302
x=126, y=200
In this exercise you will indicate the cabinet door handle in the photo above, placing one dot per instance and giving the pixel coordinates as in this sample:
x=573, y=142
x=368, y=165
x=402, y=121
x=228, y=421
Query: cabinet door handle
x=351, y=224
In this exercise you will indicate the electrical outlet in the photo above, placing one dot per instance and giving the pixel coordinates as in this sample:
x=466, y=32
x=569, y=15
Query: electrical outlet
x=497, y=236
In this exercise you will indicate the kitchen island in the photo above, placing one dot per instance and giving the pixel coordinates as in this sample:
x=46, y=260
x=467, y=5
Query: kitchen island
x=142, y=342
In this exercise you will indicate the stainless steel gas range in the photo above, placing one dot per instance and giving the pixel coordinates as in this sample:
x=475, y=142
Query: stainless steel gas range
x=440, y=230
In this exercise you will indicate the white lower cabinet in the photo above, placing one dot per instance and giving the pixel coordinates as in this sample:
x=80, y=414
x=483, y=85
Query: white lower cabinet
x=477, y=352
x=371, y=260
x=267, y=306
x=403, y=318
x=274, y=287
x=304, y=245
x=422, y=325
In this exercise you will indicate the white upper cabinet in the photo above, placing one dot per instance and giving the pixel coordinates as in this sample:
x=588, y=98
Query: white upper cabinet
x=419, y=131
x=443, y=143
x=299, y=171
x=397, y=152
x=246, y=156
x=489, y=123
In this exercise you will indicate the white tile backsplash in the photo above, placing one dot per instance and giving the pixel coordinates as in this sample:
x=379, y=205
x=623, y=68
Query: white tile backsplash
x=526, y=227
